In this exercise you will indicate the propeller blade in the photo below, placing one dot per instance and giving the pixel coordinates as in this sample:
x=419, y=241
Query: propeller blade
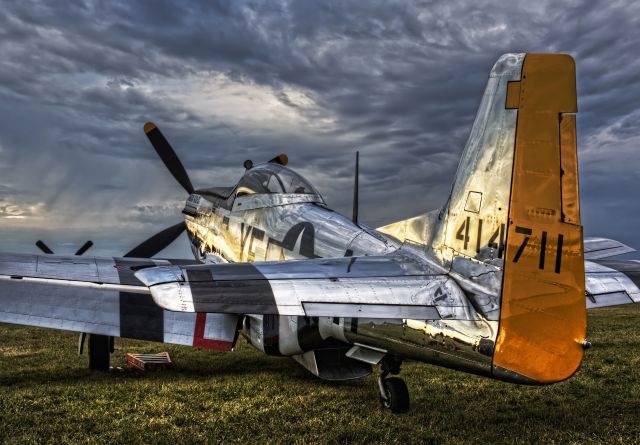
x=42, y=246
x=281, y=159
x=168, y=155
x=157, y=242
x=86, y=246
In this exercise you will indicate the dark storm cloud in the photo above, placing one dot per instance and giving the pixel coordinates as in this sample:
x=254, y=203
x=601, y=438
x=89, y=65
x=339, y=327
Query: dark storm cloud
x=227, y=81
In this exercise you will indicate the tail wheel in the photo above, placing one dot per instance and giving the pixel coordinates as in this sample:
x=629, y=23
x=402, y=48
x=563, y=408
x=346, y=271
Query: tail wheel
x=396, y=395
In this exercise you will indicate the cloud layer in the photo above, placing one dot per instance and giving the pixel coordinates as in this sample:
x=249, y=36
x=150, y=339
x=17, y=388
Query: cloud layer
x=227, y=81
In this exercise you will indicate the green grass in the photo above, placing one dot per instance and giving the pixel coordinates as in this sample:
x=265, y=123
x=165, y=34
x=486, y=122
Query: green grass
x=48, y=396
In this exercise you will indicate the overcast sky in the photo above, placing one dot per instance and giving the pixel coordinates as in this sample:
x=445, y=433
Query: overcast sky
x=235, y=80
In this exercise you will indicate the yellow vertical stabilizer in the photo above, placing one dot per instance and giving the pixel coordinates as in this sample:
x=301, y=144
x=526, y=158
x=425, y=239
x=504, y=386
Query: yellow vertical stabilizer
x=543, y=313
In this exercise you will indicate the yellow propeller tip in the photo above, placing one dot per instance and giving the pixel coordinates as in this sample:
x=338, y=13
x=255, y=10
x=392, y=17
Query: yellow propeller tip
x=149, y=126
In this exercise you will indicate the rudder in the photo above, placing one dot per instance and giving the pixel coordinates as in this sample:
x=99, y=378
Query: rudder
x=543, y=310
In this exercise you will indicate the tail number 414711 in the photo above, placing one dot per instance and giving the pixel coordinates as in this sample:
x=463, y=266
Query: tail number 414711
x=527, y=232
x=464, y=236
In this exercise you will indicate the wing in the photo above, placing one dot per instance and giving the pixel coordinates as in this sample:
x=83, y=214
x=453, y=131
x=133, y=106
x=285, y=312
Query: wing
x=596, y=248
x=100, y=296
x=610, y=283
x=371, y=287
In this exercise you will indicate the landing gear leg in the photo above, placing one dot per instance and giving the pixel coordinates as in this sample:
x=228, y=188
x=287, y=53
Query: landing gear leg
x=394, y=394
x=100, y=347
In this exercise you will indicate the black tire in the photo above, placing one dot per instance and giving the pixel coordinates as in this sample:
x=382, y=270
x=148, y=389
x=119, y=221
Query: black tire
x=397, y=395
x=99, y=349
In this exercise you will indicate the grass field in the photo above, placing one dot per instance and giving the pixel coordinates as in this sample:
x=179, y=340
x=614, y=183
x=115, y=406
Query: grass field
x=48, y=396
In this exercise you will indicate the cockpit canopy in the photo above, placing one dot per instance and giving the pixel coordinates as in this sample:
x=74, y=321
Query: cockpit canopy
x=273, y=179
x=266, y=185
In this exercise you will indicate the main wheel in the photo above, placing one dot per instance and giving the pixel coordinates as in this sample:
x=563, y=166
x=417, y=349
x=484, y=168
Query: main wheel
x=99, y=350
x=397, y=395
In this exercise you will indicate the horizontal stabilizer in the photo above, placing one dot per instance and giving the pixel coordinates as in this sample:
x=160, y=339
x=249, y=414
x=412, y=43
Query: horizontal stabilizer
x=596, y=248
x=610, y=283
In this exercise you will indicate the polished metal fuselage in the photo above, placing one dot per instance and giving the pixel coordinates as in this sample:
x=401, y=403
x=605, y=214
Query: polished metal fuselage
x=299, y=230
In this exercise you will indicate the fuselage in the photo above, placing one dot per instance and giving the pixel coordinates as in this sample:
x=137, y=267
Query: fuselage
x=242, y=225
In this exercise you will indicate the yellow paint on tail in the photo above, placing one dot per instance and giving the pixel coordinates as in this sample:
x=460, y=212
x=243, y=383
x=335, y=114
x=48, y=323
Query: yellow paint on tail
x=543, y=314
